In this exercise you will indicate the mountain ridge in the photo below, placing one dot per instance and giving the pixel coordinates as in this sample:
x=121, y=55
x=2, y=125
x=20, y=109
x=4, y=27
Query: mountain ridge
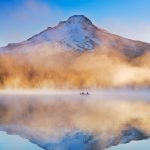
x=79, y=33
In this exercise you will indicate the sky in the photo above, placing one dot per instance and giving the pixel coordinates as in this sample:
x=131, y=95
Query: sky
x=21, y=19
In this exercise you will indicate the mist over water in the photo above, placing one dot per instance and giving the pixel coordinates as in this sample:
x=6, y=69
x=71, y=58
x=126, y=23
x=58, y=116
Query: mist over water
x=43, y=118
x=54, y=68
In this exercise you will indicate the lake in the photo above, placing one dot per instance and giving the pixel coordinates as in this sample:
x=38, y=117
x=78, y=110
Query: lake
x=140, y=145
x=15, y=142
x=70, y=121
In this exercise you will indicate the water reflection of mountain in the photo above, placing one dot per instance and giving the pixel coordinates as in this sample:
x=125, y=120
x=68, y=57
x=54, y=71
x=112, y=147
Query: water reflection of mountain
x=135, y=145
x=66, y=121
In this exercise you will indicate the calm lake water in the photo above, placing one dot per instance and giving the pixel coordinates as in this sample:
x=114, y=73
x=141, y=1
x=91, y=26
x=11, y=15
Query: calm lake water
x=70, y=121
x=15, y=142
x=140, y=145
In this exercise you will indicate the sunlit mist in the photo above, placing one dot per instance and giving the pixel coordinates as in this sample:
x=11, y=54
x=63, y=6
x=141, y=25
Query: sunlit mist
x=54, y=68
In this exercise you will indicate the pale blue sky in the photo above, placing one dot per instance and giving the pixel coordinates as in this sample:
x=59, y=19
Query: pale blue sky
x=20, y=19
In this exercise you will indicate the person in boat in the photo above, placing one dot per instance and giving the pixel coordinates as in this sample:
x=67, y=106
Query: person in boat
x=82, y=93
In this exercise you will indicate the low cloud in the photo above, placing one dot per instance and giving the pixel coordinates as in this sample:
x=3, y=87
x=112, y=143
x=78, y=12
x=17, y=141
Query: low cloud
x=53, y=68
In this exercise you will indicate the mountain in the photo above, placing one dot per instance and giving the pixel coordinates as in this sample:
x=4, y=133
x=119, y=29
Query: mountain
x=79, y=33
x=75, y=54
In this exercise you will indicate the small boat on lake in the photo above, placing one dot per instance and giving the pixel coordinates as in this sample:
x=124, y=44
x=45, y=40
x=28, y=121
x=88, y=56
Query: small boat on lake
x=84, y=93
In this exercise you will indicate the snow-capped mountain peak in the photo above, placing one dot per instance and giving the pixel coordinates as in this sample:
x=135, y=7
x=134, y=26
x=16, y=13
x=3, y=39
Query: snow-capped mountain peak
x=81, y=19
x=79, y=33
